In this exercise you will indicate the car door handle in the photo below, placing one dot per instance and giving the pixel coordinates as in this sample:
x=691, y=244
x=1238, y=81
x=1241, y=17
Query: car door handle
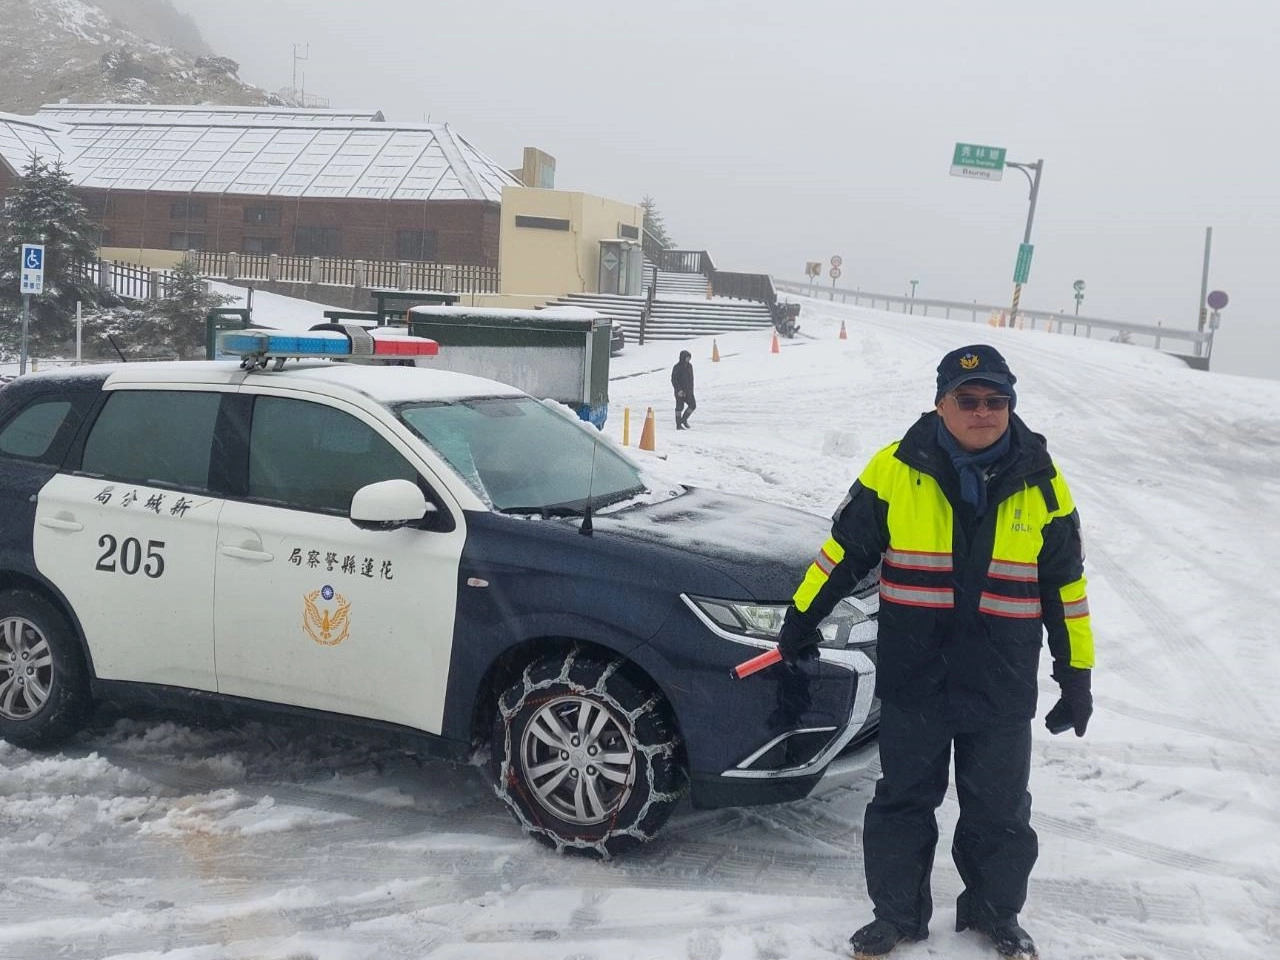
x=61, y=522
x=240, y=553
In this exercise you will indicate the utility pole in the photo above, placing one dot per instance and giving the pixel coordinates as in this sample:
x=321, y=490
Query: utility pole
x=1204, y=283
x=1019, y=277
x=913, y=294
x=296, y=57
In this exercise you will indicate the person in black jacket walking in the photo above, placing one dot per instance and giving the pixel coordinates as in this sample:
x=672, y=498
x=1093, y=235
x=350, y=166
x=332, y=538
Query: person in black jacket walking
x=979, y=544
x=682, y=383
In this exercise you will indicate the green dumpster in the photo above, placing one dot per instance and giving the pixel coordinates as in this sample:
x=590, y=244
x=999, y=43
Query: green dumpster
x=560, y=353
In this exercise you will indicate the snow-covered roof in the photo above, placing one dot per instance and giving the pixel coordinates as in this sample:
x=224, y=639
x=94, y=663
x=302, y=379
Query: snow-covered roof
x=22, y=137
x=276, y=152
x=201, y=113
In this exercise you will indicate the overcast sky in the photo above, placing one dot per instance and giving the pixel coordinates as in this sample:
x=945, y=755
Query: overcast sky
x=776, y=133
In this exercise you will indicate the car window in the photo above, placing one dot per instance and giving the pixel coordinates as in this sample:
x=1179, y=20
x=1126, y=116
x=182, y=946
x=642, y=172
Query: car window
x=521, y=455
x=157, y=437
x=314, y=457
x=42, y=431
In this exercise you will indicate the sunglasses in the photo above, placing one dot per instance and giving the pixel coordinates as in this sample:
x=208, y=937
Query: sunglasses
x=969, y=402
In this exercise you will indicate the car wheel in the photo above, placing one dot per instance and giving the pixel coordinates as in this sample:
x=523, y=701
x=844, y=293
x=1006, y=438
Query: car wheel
x=44, y=687
x=586, y=758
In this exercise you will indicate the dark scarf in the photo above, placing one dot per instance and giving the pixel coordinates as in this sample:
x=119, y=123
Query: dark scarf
x=972, y=467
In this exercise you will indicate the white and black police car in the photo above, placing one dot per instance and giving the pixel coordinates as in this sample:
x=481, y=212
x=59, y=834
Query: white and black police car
x=424, y=553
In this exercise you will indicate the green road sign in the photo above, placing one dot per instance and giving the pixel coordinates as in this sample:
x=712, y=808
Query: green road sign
x=977, y=162
x=1022, y=269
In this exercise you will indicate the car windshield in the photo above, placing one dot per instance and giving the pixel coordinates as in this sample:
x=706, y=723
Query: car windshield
x=522, y=456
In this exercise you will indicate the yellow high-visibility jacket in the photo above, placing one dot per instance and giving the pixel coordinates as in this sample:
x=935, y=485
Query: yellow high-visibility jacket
x=965, y=600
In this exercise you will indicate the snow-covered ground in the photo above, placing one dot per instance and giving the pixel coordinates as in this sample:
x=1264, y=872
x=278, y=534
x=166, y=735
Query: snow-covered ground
x=1159, y=831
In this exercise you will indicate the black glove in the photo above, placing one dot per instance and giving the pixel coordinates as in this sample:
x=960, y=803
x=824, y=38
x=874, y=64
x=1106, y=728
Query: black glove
x=1075, y=706
x=797, y=642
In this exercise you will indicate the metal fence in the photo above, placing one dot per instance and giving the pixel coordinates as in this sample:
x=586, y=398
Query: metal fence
x=1199, y=344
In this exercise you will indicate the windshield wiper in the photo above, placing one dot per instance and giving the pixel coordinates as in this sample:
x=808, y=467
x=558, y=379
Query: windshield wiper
x=546, y=513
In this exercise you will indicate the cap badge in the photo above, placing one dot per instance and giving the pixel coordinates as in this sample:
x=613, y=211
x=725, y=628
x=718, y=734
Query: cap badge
x=969, y=361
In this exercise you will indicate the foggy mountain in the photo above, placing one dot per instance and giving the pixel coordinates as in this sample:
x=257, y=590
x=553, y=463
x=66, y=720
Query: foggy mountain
x=110, y=51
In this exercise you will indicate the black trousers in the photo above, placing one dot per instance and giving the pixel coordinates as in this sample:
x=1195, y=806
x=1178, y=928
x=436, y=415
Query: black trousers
x=686, y=404
x=994, y=847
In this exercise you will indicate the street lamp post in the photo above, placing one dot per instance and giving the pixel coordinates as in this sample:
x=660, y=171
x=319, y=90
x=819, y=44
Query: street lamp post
x=1038, y=167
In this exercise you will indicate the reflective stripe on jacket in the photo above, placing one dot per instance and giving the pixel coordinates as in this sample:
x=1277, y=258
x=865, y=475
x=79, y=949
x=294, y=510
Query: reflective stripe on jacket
x=964, y=600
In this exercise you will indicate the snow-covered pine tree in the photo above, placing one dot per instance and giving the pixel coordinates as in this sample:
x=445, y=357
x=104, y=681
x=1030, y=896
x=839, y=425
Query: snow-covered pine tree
x=654, y=223
x=176, y=321
x=43, y=208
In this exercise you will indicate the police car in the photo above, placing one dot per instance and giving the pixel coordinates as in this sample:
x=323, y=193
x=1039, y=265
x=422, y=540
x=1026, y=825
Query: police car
x=415, y=551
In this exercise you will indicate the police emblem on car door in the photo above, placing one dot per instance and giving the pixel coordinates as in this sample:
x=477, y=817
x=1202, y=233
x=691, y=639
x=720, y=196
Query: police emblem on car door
x=313, y=610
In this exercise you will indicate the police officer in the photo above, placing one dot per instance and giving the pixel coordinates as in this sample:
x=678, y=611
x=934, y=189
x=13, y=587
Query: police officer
x=980, y=547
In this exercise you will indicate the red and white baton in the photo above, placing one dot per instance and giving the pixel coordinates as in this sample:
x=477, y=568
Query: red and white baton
x=756, y=664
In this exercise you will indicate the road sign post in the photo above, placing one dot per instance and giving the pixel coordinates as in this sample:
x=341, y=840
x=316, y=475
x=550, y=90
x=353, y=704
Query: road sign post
x=1217, y=301
x=812, y=270
x=1038, y=167
x=31, y=274
x=979, y=162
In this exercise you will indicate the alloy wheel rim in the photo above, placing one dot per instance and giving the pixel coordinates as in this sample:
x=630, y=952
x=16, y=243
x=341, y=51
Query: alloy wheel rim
x=578, y=760
x=26, y=669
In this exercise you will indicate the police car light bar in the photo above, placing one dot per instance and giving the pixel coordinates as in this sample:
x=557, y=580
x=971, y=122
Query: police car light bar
x=330, y=341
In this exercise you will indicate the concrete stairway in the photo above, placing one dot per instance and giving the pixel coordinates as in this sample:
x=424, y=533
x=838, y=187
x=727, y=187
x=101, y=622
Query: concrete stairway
x=678, y=285
x=676, y=319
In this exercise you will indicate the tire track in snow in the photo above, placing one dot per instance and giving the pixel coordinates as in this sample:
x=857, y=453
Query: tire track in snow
x=1174, y=755
x=1222, y=693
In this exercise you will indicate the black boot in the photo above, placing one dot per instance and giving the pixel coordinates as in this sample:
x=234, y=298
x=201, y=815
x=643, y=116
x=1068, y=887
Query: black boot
x=1010, y=940
x=876, y=939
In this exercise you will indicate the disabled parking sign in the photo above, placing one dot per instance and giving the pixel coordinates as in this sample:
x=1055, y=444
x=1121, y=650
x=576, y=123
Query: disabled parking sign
x=32, y=279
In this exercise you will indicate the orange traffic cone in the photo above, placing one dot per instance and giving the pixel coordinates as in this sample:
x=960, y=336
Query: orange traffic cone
x=843, y=335
x=626, y=426
x=774, y=348
x=715, y=352
x=646, y=432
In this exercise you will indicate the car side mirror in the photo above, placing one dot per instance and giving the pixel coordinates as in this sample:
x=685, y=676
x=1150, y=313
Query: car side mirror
x=389, y=504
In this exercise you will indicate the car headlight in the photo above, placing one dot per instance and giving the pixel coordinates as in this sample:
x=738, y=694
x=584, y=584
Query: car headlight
x=851, y=623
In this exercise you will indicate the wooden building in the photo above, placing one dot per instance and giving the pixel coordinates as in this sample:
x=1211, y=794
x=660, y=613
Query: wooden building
x=269, y=180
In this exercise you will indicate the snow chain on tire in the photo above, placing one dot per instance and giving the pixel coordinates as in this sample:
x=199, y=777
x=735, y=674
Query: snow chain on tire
x=648, y=800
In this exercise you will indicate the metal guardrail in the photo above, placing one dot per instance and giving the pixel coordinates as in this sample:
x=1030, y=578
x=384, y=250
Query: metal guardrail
x=1201, y=344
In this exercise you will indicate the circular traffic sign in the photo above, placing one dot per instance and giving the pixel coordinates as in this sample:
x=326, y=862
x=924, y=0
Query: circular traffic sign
x=837, y=261
x=1078, y=286
x=834, y=272
x=1218, y=299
